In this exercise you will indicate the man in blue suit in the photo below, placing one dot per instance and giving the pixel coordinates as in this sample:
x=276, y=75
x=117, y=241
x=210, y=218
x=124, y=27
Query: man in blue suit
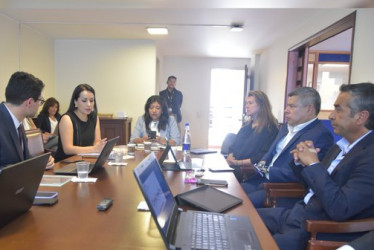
x=23, y=99
x=303, y=106
x=341, y=186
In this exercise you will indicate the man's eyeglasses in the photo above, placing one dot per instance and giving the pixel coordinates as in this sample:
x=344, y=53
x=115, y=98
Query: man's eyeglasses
x=42, y=101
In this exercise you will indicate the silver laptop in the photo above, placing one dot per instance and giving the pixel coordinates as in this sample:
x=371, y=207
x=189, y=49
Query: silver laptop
x=71, y=168
x=179, y=230
x=18, y=185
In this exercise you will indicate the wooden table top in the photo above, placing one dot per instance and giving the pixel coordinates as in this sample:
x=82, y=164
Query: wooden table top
x=75, y=223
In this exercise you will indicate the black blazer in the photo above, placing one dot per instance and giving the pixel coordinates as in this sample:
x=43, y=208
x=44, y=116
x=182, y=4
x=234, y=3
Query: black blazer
x=42, y=122
x=10, y=148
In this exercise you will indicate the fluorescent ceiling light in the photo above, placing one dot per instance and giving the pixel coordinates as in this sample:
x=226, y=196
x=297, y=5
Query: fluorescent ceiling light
x=157, y=31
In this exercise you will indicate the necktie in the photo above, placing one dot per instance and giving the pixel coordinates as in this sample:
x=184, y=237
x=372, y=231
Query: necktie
x=21, y=135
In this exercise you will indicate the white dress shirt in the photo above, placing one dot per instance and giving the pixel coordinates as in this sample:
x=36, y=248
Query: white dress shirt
x=292, y=131
x=345, y=148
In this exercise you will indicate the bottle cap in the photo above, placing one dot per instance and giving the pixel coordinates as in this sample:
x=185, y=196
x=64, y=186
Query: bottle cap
x=186, y=124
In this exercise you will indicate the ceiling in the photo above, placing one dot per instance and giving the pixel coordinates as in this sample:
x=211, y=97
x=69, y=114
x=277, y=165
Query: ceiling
x=196, y=27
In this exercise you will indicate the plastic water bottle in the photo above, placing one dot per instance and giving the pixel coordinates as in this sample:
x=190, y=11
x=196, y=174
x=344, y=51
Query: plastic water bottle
x=187, y=146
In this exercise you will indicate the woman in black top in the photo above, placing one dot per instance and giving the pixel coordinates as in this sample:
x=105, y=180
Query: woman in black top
x=79, y=127
x=254, y=138
x=47, y=121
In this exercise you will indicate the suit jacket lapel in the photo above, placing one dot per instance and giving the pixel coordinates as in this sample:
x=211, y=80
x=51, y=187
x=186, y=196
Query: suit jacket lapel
x=12, y=131
x=361, y=145
x=281, y=134
x=296, y=137
x=331, y=155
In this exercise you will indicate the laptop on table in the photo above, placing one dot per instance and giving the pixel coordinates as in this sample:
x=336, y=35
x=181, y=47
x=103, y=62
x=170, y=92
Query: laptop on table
x=173, y=164
x=178, y=229
x=71, y=169
x=18, y=185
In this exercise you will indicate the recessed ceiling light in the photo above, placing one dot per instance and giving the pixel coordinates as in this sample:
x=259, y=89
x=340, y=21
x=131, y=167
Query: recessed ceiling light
x=157, y=31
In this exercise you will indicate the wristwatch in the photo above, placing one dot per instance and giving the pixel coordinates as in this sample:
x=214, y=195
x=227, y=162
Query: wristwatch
x=261, y=168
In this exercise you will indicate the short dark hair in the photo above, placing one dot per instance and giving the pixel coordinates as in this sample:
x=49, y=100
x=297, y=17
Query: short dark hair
x=171, y=77
x=307, y=96
x=164, y=118
x=362, y=99
x=74, y=97
x=22, y=86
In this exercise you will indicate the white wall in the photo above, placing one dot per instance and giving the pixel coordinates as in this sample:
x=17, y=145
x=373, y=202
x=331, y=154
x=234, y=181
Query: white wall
x=122, y=72
x=37, y=58
x=9, y=60
x=363, y=51
x=27, y=50
x=193, y=79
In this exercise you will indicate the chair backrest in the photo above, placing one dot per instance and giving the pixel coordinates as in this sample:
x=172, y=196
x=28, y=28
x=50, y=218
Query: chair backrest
x=35, y=142
x=327, y=124
x=227, y=142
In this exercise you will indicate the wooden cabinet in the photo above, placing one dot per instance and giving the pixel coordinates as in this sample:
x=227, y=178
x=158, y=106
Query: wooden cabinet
x=112, y=127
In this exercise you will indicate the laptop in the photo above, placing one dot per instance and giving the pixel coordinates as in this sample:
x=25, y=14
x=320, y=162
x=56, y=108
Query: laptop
x=202, y=151
x=173, y=164
x=177, y=228
x=18, y=185
x=71, y=168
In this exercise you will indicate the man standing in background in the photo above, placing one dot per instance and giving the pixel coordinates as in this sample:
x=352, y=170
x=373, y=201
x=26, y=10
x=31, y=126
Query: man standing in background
x=173, y=99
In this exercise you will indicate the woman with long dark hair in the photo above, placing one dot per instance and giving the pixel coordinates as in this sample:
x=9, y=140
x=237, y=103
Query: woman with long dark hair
x=47, y=121
x=254, y=138
x=79, y=128
x=156, y=119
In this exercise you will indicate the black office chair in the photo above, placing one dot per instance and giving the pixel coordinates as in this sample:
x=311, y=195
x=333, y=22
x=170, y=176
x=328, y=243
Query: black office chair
x=227, y=142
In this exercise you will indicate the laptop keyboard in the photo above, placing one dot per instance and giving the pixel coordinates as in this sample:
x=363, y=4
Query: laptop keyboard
x=209, y=232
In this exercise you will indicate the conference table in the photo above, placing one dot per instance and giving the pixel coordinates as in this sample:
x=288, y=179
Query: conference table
x=75, y=223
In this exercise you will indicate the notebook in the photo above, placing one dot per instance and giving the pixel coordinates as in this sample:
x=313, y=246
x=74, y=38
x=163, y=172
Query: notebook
x=18, y=184
x=216, y=164
x=71, y=168
x=176, y=227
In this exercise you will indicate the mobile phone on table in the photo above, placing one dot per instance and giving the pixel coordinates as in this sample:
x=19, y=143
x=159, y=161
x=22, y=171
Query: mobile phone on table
x=152, y=134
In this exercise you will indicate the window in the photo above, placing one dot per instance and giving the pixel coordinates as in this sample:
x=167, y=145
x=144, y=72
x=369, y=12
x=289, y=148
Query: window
x=226, y=104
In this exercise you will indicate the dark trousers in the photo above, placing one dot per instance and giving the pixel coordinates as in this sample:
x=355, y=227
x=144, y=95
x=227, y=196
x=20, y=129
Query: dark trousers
x=287, y=235
x=256, y=193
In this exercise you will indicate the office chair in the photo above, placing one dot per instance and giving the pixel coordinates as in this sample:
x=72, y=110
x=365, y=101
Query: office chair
x=35, y=142
x=274, y=191
x=227, y=142
x=325, y=226
x=295, y=190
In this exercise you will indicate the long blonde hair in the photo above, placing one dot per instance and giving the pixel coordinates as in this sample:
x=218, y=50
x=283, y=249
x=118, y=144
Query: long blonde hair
x=264, y=116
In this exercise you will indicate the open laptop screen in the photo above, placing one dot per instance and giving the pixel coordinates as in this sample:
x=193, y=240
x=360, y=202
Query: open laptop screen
x=156, y=191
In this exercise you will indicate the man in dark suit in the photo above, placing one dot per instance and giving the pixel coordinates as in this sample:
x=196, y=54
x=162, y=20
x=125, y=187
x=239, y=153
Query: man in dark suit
x=23, y=99
x=341, y=186
x=303, y=106
x=173, y=98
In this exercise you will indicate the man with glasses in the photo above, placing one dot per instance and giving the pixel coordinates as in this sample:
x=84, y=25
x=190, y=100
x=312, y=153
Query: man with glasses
x=340, y=187
x=23, y=97
x=303, y=106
